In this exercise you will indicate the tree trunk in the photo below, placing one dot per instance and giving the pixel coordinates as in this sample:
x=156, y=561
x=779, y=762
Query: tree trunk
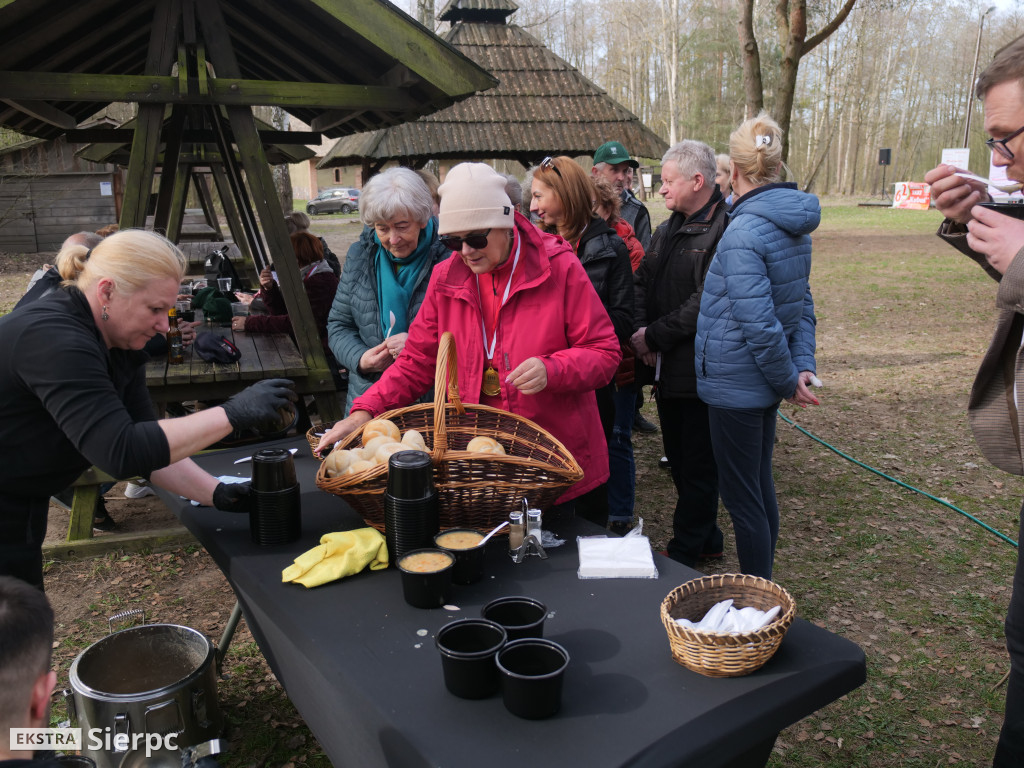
x=282, y=175
x=753, y=90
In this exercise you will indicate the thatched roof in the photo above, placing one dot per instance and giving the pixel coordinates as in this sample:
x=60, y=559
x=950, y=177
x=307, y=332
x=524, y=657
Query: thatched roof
x=542, y=105
x=340, y=67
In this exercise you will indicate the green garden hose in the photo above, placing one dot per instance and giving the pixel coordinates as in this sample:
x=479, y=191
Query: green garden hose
x=861, y=464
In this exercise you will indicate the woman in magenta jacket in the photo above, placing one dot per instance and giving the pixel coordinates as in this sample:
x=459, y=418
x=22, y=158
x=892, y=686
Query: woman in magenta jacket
x=531, y=334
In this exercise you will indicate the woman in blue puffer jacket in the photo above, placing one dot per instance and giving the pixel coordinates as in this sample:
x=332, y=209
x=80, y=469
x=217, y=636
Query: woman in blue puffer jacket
x=755, y=333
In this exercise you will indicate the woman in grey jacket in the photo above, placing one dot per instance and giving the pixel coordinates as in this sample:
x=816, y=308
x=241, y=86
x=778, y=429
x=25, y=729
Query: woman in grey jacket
x=755, y=333
x=384, y=278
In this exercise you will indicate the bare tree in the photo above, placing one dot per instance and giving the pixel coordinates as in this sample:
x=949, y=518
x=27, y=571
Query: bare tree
x=791, y=30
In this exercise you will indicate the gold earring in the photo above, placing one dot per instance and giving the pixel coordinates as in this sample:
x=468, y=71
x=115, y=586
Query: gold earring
x=105, y=316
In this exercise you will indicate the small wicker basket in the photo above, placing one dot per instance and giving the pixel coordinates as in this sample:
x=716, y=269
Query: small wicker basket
x=474, y=490
x=717, y=654
x=314, y=440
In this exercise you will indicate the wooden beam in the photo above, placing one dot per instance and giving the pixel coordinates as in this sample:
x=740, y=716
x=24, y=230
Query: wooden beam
x=237, y=195
x=227, y=202
x=121, y=136
x=142, y=166
x=163, y=44
x=179, y=194
x=167, y=192
x=233, y=91
x=158, y=540
x=43, y=111
x=205, y=199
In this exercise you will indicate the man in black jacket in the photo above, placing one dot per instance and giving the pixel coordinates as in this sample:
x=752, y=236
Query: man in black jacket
x=612, y=162
x=26, y=640
x=668, y=285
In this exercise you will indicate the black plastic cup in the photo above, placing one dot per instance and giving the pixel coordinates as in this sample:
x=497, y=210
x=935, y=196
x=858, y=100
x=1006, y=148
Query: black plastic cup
x=1016, y=210
x=410, y=475
x=469, y=561
x=276, y=517
x=273, y=469
x=468, y=648
x=426, y=589
x=531, y=672
x=409, y=524
x=520, y=616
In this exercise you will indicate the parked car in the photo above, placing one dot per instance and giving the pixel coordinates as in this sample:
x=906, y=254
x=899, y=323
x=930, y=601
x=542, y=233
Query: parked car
x=334, y=200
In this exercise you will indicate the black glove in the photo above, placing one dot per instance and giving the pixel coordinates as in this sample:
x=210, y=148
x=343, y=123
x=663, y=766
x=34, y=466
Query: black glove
x=258, y=407
x=234, y=497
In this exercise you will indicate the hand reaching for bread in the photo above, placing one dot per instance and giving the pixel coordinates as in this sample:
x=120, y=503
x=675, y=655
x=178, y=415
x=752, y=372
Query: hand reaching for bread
x=342, y=429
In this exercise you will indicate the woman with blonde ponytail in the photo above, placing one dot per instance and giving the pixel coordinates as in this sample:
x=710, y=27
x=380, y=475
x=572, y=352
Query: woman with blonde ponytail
x=74, y=392
x=755, y=333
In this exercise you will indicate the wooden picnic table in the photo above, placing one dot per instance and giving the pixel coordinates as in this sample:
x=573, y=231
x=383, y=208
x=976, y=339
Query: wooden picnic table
x=264, y=356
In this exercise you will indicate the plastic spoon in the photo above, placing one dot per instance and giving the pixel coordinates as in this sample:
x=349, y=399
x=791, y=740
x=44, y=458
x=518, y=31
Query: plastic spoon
x=485, y=538
x=1010, y=186
x=391, y=319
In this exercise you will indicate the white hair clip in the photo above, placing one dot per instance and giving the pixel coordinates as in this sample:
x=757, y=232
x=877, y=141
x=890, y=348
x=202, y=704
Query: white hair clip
x=759, y=140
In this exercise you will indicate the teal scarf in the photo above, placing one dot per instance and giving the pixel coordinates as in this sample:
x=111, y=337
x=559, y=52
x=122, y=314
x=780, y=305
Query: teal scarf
x=396, y=279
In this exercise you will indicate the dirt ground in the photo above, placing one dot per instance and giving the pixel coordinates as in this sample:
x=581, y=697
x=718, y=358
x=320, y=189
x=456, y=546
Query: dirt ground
x=902, y=323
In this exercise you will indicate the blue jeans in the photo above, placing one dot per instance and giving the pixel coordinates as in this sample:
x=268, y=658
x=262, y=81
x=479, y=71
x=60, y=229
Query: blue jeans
x=621, y=467
x=1010, y=749
x=743, y=440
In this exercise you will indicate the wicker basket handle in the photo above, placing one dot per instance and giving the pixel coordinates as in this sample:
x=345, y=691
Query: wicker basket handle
x=446, y=388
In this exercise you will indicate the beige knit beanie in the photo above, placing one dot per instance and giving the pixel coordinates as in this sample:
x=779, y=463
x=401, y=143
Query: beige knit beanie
x=472, y=198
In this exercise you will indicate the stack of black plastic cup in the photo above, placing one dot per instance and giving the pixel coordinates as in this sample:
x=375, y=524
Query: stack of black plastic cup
x=277, y=518
x=410, y=503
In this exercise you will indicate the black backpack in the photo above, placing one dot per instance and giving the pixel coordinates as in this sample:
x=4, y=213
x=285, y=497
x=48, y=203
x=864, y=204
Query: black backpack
x=218, y=264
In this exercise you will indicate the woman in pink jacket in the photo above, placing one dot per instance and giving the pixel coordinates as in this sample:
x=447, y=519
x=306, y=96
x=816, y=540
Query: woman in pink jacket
x=532, y=336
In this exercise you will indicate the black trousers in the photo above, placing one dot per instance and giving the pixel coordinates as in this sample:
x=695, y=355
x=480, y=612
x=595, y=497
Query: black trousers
x=1010, y=749
x=22, y=530
x=686, y=436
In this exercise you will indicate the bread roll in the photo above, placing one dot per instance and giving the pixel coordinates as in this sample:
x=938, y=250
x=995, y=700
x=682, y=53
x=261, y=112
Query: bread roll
x=359, y=466
x=384, y=452
x=414, y=439
x=370, y=447
x=337, y=462
x=482, y=444
x=381, y=427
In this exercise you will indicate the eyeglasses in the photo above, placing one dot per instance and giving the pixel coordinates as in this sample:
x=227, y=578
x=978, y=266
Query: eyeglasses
x=549, y=162
x=475, y=241
x=999, y=145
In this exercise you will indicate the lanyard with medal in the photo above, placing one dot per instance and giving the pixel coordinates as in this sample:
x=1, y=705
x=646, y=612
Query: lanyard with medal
x=492, y=383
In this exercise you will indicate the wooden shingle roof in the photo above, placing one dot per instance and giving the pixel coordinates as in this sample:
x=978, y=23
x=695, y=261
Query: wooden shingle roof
x=541, y=106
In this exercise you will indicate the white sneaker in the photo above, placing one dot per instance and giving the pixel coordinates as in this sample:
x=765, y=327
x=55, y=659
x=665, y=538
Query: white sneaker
x=136, y=491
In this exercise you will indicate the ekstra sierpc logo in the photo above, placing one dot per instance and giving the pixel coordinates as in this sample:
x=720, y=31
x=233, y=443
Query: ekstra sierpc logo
x=71, y=740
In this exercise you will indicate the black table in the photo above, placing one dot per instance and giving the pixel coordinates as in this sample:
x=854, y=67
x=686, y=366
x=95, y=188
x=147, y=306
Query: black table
x=362, y=669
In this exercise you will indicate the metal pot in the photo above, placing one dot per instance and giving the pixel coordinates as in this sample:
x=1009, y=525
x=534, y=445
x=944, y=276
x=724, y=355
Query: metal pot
x=143, y=682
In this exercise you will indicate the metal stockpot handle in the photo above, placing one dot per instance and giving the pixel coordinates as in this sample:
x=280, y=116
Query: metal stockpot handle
x=131, y=613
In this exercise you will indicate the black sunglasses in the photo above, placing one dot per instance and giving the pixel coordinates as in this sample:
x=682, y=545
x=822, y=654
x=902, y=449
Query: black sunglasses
x=549, y=162
x=474, y=241
x=999, y=145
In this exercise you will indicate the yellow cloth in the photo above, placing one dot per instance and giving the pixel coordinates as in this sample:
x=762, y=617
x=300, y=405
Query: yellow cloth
x=338, y=555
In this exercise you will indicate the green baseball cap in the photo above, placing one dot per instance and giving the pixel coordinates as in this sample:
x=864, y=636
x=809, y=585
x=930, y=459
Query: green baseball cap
x=613, y=153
